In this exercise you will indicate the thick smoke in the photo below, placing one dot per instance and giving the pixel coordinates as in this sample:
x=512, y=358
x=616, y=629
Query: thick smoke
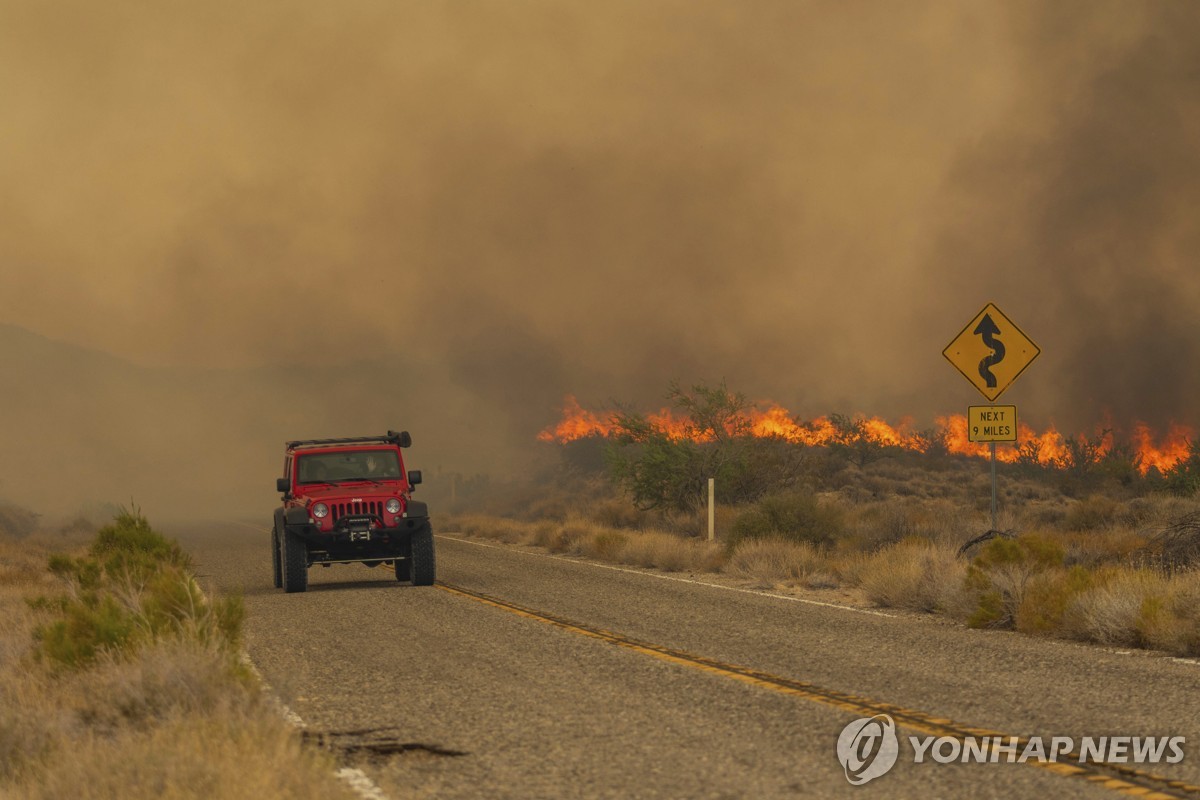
x=330, y=219
x=1080, y=214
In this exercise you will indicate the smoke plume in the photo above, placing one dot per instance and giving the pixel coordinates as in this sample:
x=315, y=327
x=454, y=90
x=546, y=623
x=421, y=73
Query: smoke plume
x=447, y=216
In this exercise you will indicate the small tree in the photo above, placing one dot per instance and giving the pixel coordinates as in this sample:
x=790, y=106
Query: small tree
x=1184, y=477
x=661, y=469
x=656, y=470
x=1084, y=452
x=854, y=442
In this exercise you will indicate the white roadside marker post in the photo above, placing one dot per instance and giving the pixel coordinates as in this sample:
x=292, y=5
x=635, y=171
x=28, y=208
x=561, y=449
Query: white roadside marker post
x=712, y=510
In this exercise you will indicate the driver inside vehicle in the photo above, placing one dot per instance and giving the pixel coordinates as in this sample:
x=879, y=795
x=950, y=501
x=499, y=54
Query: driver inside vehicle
x=379, y=467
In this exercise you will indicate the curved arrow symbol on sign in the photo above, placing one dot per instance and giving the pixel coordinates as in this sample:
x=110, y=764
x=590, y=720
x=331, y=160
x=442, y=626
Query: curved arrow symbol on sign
x=988, y=329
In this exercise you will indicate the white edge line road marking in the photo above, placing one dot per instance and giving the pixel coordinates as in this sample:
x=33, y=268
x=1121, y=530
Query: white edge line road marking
x=356, y=779
x=670, y=577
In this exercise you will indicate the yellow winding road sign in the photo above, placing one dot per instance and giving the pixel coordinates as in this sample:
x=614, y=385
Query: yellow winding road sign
x=991, y=351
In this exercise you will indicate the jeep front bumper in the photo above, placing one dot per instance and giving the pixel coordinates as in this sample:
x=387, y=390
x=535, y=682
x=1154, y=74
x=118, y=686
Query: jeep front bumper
x=359, y=538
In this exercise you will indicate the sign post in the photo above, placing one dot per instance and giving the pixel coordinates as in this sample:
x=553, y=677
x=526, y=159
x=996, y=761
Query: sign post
x=990, y=352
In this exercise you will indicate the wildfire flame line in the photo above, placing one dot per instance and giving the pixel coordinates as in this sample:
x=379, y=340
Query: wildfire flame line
x=1048, y=448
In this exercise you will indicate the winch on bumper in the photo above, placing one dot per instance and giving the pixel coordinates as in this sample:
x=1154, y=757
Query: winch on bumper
x=357, y=537
x=359, y=528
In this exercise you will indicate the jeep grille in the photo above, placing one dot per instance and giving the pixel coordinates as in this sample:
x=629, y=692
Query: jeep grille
x=340, y=510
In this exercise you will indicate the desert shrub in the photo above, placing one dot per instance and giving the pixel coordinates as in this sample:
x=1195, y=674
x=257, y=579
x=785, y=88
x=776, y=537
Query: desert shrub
x=772, y=560
x=1044, y=514
x=1092, y=513
x=486, y=527
x=133, y=588
x=573, y=534
x=1121, y=464
x=893, y=521
x=129, y=545
x=16, y=521
x=605, y=545
x=169, y=678
x=913, y=574
x=27, y=733
x=175, y=716
x=1170, y=620
x=1109, y=612
x=619, y=513
x=997, y=579
x=1138, y=511
x=662, y=470
x=550, y=536
x=669, y=552
x=1176, y=546
x=88, y=626
x=235, y=753
x=1117, y=545
x=1047, y=598
x=1183, y=479
x=796, y=516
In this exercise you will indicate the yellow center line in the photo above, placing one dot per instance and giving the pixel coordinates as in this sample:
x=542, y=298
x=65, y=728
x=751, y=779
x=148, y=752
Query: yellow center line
x=1116, y=777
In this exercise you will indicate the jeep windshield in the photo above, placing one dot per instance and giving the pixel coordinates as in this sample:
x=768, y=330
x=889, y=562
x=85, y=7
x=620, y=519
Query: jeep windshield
x=357, y=465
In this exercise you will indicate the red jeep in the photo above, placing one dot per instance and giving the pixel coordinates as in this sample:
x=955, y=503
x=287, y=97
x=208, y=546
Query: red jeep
x=347, y=501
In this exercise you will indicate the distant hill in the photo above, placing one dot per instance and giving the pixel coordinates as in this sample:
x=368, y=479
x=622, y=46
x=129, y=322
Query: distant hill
x=79, y=426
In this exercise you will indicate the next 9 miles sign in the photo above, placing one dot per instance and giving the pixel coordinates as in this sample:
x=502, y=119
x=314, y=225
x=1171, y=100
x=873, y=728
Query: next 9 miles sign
x=992, y=423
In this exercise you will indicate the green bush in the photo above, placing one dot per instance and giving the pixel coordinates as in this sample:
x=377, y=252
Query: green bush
x=1183, y=479
x=795, y=516
x=90, y=624
x=1048, y=597
x=133, y=587
x=129, y=545
x=1000, y=577
x=662, y=470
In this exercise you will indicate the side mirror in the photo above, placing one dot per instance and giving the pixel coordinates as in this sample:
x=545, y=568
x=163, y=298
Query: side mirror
x=282, y=485
x=414, y=477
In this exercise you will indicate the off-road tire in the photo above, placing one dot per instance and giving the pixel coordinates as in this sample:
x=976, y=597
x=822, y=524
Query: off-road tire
x=423, y=564
x=295, y=563
x=276, y=558
x=403, y=568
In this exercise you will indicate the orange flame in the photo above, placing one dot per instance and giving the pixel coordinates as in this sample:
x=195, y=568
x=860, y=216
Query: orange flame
x=1164, y=455
x=1048, y=448
x=577, y=423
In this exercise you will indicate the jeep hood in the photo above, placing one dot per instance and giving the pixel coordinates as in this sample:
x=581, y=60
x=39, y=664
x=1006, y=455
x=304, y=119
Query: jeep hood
x=365, y=491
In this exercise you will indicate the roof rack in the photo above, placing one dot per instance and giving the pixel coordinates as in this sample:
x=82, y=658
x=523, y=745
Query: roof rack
x=401, y=438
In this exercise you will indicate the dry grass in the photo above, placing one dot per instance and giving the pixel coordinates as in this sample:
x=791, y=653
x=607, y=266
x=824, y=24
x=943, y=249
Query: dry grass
x=504, y=530
x=769, y=562
x=914, y=574
x=1078, y=570
x=579, y=536
x=174, y=718
x=877, y=523
x=1109, y=613
x=669, y=552
x=228, y=754
x=1139, y=608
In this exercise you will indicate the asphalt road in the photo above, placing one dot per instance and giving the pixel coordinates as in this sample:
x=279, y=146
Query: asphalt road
x=436, y=693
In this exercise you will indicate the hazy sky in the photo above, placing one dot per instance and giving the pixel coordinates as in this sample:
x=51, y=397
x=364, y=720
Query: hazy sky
x=807, y=198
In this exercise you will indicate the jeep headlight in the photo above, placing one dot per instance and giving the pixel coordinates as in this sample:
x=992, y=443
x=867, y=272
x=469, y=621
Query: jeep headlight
x=393, y=506
x=320, y=511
